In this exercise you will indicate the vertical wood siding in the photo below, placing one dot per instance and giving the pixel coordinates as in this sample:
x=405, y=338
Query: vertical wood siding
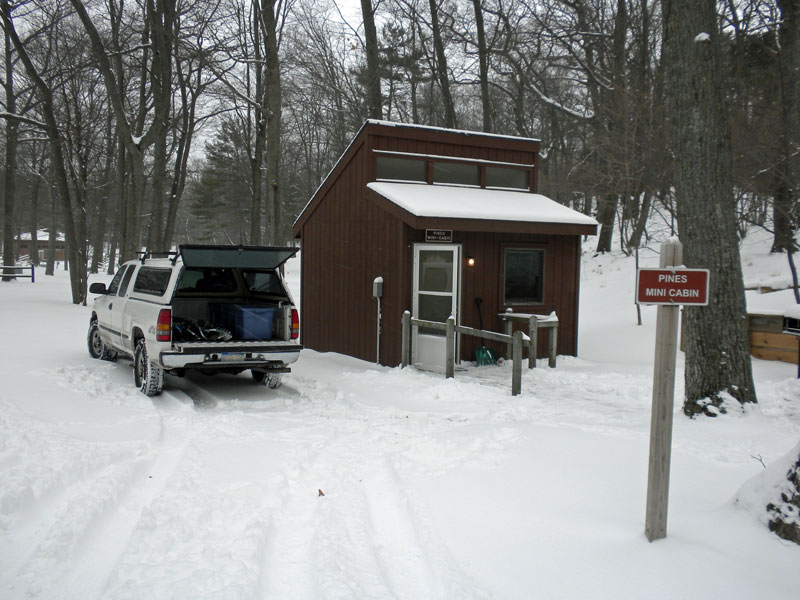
x=347, y=241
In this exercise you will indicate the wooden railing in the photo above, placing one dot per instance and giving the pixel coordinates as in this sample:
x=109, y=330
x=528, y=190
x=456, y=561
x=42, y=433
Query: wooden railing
x=535, y=322
x=515, y=341
x=10, y=272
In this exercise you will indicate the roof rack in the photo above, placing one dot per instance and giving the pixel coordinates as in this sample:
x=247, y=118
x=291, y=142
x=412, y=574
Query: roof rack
x=145, y=254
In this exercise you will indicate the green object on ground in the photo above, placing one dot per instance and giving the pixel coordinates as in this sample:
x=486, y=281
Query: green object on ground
x=483, y=356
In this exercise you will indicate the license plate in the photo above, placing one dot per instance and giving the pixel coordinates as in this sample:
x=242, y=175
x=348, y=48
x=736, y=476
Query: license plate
x=232, y=356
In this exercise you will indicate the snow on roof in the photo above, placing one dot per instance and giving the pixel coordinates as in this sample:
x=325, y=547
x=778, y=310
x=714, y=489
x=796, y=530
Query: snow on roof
x=443, y=129
x=423, y=200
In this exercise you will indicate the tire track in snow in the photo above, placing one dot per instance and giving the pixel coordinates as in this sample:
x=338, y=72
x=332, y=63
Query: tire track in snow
x=81, y=521
x=362, y=539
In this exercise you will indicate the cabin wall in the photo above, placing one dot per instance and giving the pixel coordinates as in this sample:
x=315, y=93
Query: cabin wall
x=484, y=280
x=346, y=245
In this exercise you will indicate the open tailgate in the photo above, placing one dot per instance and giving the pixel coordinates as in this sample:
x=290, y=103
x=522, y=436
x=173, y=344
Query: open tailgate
x=232, y=257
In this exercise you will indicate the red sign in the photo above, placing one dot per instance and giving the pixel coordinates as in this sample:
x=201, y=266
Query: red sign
x=672, y=286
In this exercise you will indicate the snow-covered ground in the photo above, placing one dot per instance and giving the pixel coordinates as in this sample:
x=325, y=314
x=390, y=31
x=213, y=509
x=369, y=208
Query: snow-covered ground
x=432, y=488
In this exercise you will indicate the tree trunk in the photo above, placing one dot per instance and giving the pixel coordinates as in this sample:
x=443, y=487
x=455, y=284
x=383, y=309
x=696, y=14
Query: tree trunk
x=787, y=178
x=273, y=106
x=483, y=67
x=441, y=68
x=374, y=100
x=606, y=213
x=717, y=343
x=12, y=136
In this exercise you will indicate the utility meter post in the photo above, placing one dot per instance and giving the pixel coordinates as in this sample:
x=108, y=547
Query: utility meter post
x=377, y=293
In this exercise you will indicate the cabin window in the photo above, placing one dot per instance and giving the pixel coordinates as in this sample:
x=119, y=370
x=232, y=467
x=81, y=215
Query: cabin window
x=454, y=172
x=400, y=169
x=523, y=277
x=500, y=177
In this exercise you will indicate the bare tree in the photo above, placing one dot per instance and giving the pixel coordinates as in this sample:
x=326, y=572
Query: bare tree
x=717, y=345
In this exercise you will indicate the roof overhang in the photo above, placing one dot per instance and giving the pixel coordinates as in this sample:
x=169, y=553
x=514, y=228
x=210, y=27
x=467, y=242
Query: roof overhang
x=423, y=206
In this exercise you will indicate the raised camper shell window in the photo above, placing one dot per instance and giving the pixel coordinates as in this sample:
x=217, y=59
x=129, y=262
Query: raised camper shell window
x=151, y=280
x=400, y=169
x=523, y=276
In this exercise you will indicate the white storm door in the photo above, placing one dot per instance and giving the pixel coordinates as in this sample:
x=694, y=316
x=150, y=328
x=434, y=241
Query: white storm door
x=436, y=296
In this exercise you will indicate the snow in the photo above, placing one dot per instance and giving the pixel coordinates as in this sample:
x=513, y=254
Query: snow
x=460, y=202
x=702, y=37
x=433, y=488
x=445, y=130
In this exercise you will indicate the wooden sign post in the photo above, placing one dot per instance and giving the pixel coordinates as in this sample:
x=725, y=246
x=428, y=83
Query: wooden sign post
x=669, y=286
x=663, y=397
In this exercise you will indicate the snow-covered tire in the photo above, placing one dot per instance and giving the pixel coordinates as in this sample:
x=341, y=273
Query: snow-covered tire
x=148, y=377
x=273, y=380
x=97, y=348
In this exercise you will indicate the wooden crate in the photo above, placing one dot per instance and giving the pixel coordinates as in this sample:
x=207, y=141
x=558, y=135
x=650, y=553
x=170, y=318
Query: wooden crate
x=767, y=340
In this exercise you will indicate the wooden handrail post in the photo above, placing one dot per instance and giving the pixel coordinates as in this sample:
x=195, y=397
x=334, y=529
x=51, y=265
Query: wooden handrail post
x=516, y=357
x=450, y=358
x=553, y=349
x=509, y=329
x=405, y=351
x=533, y=328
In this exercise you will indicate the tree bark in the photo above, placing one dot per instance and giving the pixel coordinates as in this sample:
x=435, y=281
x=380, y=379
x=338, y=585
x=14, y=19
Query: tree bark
x=787, y=176
x=273, y=116
x=483, y=67
x=12, y=137
x=717, y=343
x=374, y=100
x=441, y=68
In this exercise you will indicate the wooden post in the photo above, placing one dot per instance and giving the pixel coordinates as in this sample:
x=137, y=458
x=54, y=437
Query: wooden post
x=405, y=349
x=532, y=333
x=450, y=359
x=663, y=396
x=509, y=328
x=516, y=371
x=553, y=348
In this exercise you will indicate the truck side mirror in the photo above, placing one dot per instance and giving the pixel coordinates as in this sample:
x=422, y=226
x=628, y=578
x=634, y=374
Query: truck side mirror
x=98, y=288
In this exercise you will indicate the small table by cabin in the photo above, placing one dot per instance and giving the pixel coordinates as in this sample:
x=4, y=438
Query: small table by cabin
x=534, y=323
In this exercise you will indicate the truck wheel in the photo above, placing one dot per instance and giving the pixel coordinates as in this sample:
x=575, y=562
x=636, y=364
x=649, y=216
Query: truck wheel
x=97, y=348
x=148, y=377
x=273, y=380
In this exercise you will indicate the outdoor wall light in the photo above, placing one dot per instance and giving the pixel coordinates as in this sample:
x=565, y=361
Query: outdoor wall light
x=471, y=261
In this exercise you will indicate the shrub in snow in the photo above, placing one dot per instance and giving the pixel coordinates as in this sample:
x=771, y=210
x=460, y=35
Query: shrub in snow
x=774, y=496
x=785, y=515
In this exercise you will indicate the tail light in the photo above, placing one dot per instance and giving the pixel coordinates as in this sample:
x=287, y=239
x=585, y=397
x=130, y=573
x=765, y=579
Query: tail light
x=164, y=325
x=295, y=324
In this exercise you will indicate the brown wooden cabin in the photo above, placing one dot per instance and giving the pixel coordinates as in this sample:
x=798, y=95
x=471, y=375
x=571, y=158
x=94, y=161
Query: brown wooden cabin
x=406, y=193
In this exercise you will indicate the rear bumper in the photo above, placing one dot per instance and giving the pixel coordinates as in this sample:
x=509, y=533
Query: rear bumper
x=242, y=354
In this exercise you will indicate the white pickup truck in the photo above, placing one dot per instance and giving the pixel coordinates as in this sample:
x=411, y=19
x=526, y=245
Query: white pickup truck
x=206, y=308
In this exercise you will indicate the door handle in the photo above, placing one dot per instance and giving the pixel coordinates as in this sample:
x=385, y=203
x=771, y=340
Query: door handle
x=110, y=306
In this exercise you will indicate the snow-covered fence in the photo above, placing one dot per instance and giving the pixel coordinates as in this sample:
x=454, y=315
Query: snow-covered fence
x=7, y=273
x=450, y=328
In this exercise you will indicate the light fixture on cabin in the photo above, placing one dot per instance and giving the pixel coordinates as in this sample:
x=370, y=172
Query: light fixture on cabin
x=471, y=261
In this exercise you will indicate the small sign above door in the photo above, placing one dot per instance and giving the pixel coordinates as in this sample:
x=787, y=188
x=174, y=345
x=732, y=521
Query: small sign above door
x=439, y=235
